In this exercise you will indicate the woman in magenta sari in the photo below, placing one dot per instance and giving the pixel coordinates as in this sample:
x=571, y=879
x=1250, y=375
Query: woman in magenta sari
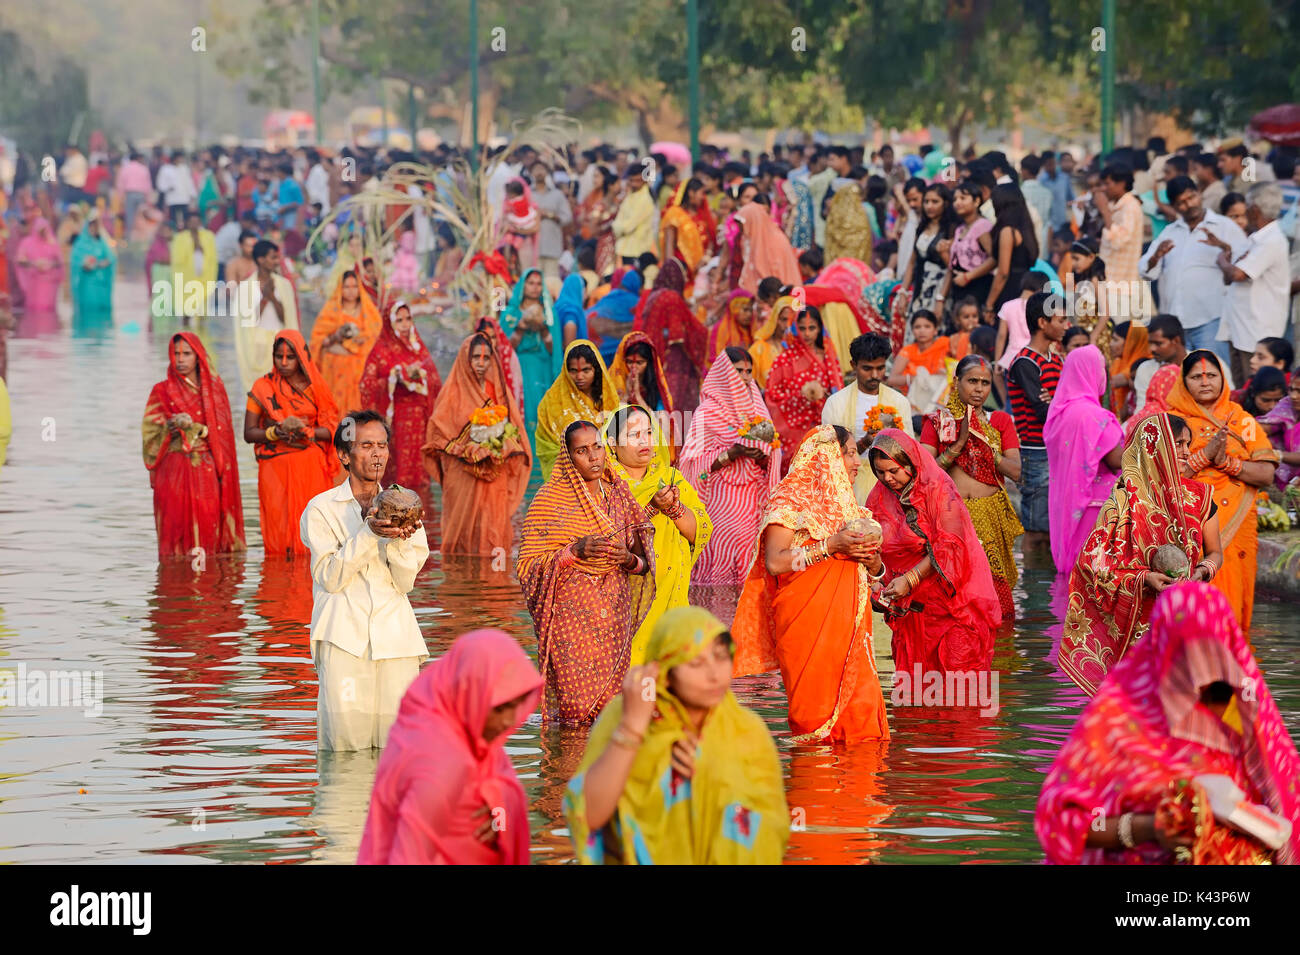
x=1186, y=701
x=445, y=792
x=402, y=383
x=1085, y=446
x=40, y=272
x=943, y=606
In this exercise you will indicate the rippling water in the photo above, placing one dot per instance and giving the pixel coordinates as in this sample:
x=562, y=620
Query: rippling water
x=205, y=750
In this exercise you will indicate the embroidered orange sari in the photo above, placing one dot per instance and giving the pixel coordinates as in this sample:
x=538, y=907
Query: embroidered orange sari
x=814, y=625
x=288, y=475
x=1238, y=532
x=342, y=373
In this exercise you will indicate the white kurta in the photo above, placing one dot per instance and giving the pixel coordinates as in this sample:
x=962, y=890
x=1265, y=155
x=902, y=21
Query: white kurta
x=366, y=643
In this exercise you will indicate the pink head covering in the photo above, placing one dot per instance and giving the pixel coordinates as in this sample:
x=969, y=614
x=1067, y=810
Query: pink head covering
x=1078, y=433
x=438, y=772
x=1146, y=728
x=770, y=252
x=726, y=403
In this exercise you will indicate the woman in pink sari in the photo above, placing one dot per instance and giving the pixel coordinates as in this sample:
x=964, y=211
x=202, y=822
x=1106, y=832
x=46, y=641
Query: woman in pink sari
x=1185, y=701
x=40, y=272
x=765, y=249
x=1085, y=447
x=445, y=792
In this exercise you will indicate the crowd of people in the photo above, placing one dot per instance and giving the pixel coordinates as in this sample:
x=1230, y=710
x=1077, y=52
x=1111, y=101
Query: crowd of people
x=777, y=413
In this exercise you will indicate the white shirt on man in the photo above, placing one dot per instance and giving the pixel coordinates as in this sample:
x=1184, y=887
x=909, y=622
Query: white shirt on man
x=1190, y=283
x=176, y=183
x=1258, y=308
x=848, y=408
x=360, y=580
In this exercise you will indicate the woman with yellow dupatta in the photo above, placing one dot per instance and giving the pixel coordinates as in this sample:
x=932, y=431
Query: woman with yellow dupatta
x=584, y=538
x=584, y=391
x=681, y=524
x=806, y=608
x=769, y=338
x=341, y=338
x=1231, y=454
x=685, y=775
x=687, y=227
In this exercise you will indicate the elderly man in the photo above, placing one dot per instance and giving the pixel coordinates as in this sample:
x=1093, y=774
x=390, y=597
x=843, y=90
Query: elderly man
x=1259, y=282
x=1184, y=266
x=365, y=640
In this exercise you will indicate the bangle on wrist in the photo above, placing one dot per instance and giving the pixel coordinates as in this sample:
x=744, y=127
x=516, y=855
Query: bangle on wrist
x=624, y=738
x=1125, y=832
x=272, y=435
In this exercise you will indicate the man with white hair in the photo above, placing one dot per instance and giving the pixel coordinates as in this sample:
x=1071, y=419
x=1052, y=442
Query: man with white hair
x=1259, y=282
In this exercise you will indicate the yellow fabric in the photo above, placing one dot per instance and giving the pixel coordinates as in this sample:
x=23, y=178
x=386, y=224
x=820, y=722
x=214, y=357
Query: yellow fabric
x=848, y=227
x=732, y=811
x=767, y=341
x=675, y=557
x=997, y=526
x=6, y=422
x=182, y=252
x=841, y=327
x=564, y=404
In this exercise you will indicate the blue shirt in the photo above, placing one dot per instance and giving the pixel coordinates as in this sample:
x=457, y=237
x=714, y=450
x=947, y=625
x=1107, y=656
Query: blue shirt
x=290, y=193
x=1062, y=192
x=265, y=205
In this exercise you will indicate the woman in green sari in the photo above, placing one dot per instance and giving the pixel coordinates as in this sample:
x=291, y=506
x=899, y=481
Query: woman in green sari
x=682, y=526
x=92, y=265
x=684, y=775
x=529, y=323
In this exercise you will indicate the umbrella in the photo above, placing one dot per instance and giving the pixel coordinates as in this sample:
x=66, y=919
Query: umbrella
x=1278, y=124
x=675, y=153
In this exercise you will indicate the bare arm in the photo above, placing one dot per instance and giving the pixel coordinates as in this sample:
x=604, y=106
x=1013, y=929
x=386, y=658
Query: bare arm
x=1114, y=457
x=899, y=377
x=1009, y=466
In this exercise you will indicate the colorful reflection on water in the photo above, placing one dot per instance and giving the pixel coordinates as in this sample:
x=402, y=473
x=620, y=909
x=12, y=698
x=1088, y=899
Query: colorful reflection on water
x=205, y=750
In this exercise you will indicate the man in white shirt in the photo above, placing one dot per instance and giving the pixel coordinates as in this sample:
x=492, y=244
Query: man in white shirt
x=556, y=214
x=176, y=185
x=266, y=305
x=318, y=181
x=1258, y=296
x=1182, y=263
x=365, y=641
x=849, y=406
x=1167, y=342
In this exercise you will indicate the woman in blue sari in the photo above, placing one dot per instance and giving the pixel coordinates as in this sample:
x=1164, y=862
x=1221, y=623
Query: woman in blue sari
x=799, y=214
x=92, y=265
x=570, y=315
x=530, y=325
x=611, y=318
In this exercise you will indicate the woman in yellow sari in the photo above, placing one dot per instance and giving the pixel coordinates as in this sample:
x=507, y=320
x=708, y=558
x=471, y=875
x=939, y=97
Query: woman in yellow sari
x=682, y=526
x=1231, y=454
x=584, y=391
x=688, y=776
x=848, y=227
x=686, y=229
x=341, y=338
x=768, y=345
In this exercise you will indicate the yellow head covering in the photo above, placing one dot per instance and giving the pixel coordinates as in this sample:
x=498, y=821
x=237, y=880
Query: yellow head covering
x=564, y=403
x=732, y=810
x=767, y=340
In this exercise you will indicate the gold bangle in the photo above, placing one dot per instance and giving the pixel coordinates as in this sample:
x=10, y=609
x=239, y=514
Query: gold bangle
x=272, y=435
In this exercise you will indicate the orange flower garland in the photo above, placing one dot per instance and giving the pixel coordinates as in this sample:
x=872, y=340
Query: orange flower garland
x=872, y=423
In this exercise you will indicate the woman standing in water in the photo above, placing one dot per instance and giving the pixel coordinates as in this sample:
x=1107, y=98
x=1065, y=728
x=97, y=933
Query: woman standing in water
x=584, y=391
x=684, y=775
x=529, y=323
x=482, y=484
x=341, y=338
x=290, y=421
x=401, y=382
x=584, y=538
x=189, y=451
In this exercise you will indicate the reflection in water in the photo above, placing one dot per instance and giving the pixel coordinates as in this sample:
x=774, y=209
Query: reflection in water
x=206, y=747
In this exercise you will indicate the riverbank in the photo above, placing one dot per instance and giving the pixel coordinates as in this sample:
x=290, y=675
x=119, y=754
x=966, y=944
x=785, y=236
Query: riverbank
x=1279, y=563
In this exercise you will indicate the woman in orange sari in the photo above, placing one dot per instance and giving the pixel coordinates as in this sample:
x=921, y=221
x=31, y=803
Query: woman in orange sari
x=927, y=351
x=584, y=537
x=687, y=228
x=344, y=332
x=189, y=450
x=1231, y=454
x=806, y=607
x=734, y=329
x=483, y=481
x=290, y=421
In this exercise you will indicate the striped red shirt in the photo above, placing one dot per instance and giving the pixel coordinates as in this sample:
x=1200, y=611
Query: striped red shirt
x=1031, y=373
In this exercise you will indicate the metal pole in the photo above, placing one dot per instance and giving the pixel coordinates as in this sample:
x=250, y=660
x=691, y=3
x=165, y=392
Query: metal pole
x=410, y=111
x=693, y=73
x=1108, y=76
x=315, y=67
x=473, y=84
x=383, y=110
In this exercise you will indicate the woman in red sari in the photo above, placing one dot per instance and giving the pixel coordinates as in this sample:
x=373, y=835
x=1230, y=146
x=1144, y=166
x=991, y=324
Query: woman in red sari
x=1188, y=701
x=803, y=376
x=943, y=606
x=806, y=608
x=482, y=486
x=1113, y=584
x=401, y=382
x=189, y=450
x=290, y=421
x=584, y=537
x=677, y=335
